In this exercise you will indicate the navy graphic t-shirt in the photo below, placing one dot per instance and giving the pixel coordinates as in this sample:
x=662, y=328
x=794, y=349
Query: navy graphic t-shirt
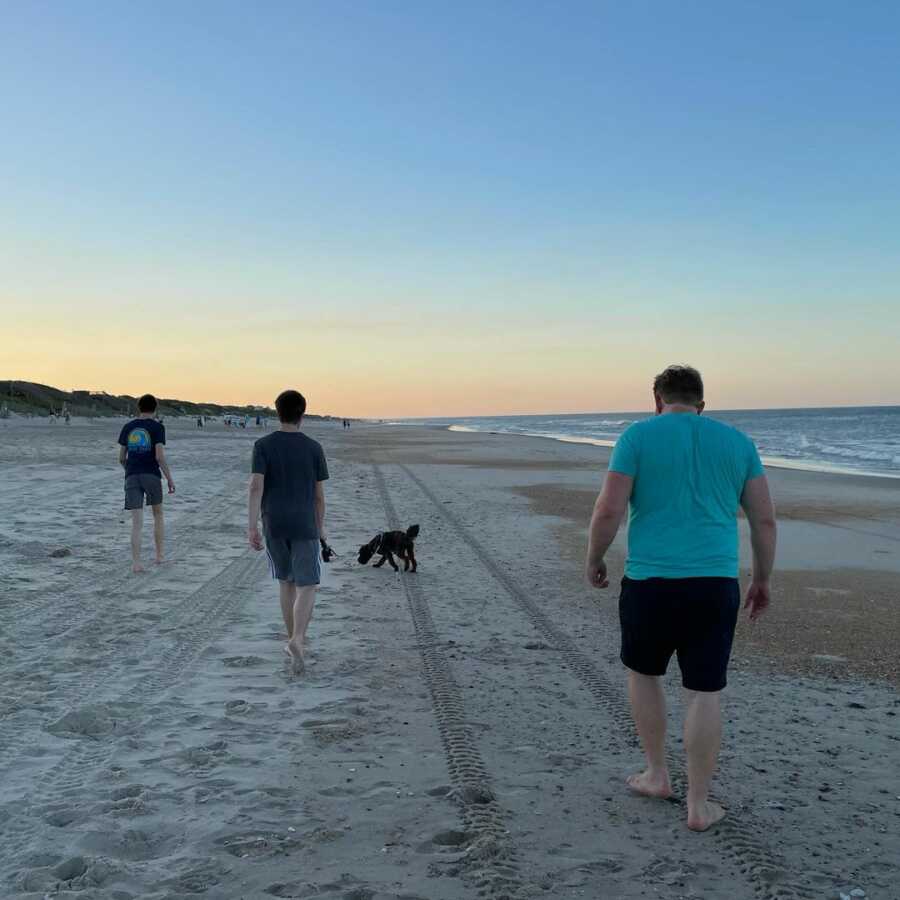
x=140, y=437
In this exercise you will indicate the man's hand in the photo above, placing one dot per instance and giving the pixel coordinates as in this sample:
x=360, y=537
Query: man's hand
x=758, y=598
x=327, y=552
x=171, y=485
x=595, y=573
x=254, y=538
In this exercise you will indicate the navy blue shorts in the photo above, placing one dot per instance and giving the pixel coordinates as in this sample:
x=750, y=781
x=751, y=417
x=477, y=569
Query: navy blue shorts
x=294, y=559
x=691, y=617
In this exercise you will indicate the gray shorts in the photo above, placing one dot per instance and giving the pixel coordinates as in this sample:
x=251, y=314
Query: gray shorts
x=294, y=559
x=139, y=486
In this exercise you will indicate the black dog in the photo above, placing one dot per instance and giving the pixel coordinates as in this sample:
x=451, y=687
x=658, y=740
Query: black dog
x=387, y=544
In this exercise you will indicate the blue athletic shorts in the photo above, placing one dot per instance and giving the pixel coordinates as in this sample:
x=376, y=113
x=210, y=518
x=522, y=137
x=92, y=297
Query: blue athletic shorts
x=294, y=559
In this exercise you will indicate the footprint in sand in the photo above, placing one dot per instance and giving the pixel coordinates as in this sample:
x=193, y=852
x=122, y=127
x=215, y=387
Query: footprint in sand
x=334, y=730
x=260, y=844
x=132, y=845
x=345, y=889
x=451, y=838
x=62, y=817
x=94, y=721
x=243, y=662
x=200, y=875
x=79, y=873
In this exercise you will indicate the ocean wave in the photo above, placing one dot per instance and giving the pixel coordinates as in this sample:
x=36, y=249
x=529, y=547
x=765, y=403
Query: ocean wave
x=858, y=453
x=804, y=439
x=810, y=465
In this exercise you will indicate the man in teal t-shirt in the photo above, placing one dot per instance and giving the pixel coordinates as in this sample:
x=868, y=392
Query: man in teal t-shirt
x=683, y=479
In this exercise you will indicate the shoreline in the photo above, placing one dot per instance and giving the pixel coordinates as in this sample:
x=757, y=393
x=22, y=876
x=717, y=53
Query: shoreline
x=775, y=462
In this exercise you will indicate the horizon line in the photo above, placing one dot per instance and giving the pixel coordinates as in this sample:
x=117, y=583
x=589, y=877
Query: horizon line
x=624, y=412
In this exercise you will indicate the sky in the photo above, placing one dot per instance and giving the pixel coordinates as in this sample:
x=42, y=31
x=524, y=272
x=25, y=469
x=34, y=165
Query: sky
x=423, y=208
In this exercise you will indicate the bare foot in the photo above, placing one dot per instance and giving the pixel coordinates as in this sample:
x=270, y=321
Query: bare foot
x=295, y=652
x=160, y=560
x=137, y=567
x=648, y=785
x=703, y=816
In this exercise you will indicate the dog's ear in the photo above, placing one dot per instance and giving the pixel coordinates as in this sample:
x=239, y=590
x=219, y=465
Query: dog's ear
x=412, y=531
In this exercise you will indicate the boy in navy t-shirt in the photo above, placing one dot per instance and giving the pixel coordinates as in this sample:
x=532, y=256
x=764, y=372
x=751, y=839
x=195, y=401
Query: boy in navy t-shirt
x=142, y=453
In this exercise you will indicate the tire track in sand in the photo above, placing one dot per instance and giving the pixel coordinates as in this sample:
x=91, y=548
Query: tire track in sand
x=213, y=602
x=491, y=859
x=37, y=608
x=90, y=614
x=740, y=837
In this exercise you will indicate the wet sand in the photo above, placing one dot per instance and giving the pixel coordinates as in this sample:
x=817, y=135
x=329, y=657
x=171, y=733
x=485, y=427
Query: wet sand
x=459, y=733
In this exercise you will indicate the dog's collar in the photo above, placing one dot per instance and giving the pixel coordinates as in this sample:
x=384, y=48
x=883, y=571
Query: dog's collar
x=379, y=538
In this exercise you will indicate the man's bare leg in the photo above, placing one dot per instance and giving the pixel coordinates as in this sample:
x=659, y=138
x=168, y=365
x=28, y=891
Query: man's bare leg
x=137, y=526
x=648, y=706
x=287, y=592
x=303, y=608
x=159, y=532
x=702, y=738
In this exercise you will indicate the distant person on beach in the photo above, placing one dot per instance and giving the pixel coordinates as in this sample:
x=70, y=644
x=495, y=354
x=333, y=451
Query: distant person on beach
x=199, y=421
x=142, y=453
x=287, y=488
x=684, y=478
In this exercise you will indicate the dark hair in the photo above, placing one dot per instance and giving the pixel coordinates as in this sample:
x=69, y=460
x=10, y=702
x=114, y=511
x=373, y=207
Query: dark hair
x=679, y=384
x=147, y=403
x=290, y=405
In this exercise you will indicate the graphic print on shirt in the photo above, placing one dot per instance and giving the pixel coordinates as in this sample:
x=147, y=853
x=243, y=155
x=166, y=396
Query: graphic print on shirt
x=139, y=441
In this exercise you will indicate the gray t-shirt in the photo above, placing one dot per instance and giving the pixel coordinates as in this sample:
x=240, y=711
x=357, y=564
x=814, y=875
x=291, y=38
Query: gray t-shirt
x=291, y=463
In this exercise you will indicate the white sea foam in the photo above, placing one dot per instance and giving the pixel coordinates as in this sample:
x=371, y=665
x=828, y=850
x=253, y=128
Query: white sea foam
x=859, y=453
x=808, y=465
x=875, y=459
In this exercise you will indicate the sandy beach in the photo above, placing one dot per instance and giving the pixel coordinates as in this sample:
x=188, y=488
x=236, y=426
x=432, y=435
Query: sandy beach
x=459, y=733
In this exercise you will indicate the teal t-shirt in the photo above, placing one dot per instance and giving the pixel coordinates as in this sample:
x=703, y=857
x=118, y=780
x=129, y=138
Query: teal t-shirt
x=689, y=473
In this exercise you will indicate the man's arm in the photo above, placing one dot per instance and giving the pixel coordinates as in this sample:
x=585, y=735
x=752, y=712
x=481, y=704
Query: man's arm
x=164, y=465
x=756, y=501
x=123, y=455
x=254, y=502
x=608, y=512
x=320, y=509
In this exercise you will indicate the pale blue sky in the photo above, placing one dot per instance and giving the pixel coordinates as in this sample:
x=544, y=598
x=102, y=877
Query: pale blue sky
x=675, y=174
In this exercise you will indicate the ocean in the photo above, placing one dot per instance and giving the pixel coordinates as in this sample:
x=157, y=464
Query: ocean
x=859, y=440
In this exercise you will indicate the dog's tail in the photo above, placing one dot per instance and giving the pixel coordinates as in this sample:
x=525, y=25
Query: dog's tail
x=412, y=532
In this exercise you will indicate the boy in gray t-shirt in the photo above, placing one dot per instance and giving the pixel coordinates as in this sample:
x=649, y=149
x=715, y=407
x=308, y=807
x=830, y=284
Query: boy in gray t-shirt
x=286, y=487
